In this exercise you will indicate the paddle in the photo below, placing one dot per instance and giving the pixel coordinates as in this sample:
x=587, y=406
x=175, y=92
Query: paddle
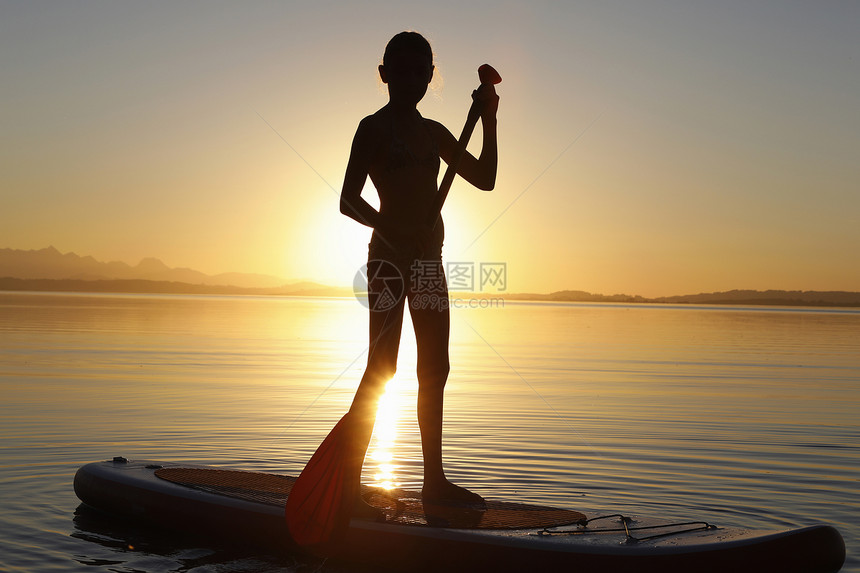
x=320, y=502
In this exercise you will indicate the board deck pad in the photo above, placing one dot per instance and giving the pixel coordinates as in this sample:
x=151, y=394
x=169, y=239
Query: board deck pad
x=397, y=506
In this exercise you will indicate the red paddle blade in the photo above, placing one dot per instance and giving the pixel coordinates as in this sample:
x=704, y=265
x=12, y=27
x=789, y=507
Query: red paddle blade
x=320, y=502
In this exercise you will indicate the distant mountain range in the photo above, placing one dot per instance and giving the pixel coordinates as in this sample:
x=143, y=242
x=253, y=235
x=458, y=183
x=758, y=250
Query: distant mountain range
x=49, y=270
x=732, y=297
x=36, y=269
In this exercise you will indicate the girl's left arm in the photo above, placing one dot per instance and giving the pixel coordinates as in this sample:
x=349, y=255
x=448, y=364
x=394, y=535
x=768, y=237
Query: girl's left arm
x=481, y=171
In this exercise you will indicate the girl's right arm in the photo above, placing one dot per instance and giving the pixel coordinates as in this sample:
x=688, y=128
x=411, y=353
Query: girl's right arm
x=364, y=146
x=364, y=150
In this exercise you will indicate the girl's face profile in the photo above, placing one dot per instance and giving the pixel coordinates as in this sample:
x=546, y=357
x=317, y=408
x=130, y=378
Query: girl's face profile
x=407, y=74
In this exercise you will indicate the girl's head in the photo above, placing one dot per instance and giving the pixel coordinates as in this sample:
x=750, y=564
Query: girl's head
x=408, y=42
x=407, y=67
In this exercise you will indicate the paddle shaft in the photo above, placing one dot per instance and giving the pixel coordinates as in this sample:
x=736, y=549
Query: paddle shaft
x=451, y=171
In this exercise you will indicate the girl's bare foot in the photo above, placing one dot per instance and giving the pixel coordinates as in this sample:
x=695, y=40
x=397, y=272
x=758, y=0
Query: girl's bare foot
x=446, y=491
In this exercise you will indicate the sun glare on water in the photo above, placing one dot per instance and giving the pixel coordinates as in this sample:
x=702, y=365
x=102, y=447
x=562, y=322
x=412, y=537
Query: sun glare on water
x=385, y=436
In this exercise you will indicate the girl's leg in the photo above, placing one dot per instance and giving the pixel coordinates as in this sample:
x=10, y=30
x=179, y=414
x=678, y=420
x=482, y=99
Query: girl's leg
x=386, y=297
x=431, y=320
x=386, y=320
x=431, y=336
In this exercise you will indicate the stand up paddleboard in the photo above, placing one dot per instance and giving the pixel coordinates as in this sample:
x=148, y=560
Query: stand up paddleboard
x=248, y=507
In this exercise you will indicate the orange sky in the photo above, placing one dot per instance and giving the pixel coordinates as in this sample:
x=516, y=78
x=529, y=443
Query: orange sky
x=651, y=148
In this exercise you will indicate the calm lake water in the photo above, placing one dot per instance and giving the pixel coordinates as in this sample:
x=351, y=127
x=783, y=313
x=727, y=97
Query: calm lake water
x=738, y=416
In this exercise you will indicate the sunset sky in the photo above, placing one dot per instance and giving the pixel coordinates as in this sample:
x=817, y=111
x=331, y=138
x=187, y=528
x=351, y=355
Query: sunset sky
x=646, y=147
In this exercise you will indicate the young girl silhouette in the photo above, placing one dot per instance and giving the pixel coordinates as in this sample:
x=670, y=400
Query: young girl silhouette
x=400, y=151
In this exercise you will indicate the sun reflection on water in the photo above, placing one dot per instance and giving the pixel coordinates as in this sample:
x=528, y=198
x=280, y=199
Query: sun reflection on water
x=385, y=436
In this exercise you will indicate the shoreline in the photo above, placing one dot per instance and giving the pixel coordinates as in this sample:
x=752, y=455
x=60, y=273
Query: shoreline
x=825, y=299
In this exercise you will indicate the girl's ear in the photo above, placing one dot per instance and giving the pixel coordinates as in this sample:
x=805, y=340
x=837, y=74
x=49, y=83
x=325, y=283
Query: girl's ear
x=382, y=74
x=432, y=69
